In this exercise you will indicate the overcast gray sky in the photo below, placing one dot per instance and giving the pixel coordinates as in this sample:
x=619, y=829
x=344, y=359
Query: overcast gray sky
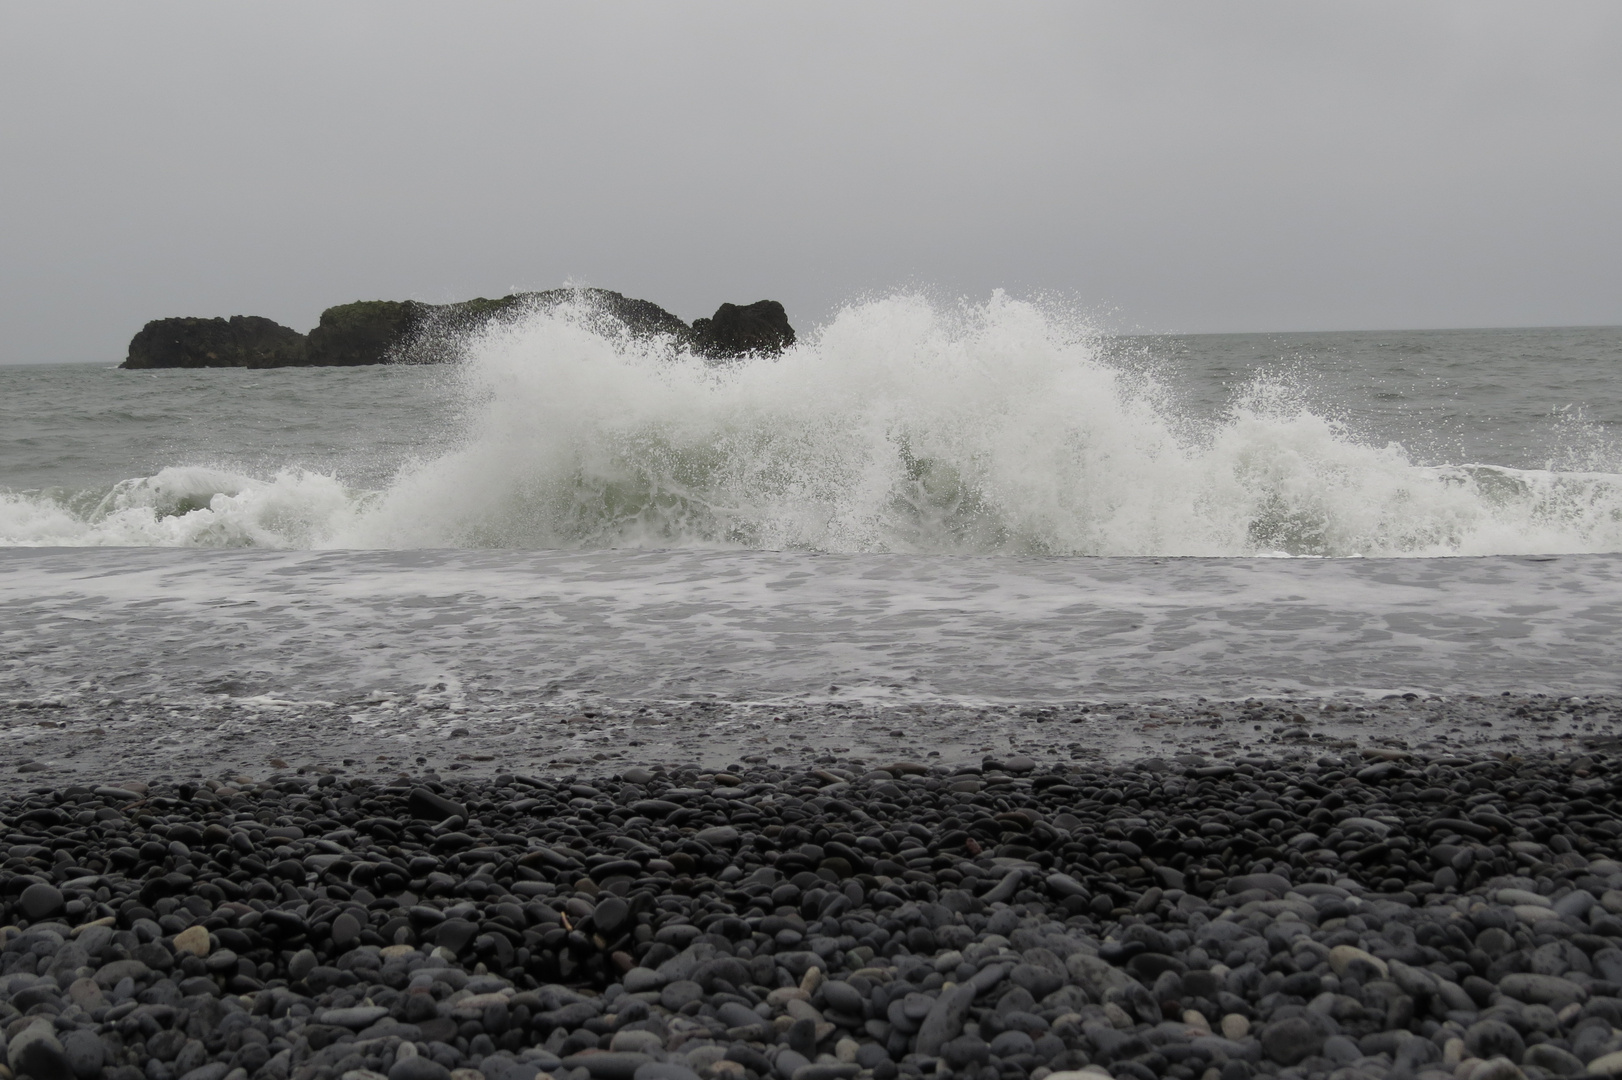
x=1178, y=165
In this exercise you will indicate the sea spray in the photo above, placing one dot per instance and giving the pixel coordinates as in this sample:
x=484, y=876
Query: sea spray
x=899, y=426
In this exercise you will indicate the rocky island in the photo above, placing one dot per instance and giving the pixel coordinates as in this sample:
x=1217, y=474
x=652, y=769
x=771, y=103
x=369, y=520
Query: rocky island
x=407, y=331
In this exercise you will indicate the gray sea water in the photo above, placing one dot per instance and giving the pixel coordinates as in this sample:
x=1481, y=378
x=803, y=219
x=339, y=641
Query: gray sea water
x=918, y=501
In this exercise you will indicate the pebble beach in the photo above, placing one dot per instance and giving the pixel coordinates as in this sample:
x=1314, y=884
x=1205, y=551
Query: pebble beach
x=1288, y=891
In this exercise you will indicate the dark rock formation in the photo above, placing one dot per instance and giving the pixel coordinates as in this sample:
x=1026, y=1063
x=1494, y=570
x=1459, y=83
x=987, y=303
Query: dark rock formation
x=392, y=331
x=240, y=341
x=760, y=328
x=365, y=332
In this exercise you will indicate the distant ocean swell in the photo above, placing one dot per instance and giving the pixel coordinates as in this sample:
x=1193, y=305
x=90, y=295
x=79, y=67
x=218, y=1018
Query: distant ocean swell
x=900, y=426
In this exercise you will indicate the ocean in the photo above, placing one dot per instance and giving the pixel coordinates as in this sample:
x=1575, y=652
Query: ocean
x=920, y=502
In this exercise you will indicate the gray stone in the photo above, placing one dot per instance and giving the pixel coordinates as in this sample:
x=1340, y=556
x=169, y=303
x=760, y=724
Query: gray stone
x=606, y=1064
x=456, y=935
x=95, y=940
x=497, y=1067
x=1010, y=1043
x=36, y=1053
x=85, y=1053
x=802, y=1036
x=346, y=930
x=360, y=1016
x=944, y=1021
x=610, y=914
x=965, y=1050
x=1039, y=981
x=664, y=1070
x=192, y=1056
x=826, y=1071
x=786, y=1062
x=679, y=993
x=842, y=997
x=640, y=980
x=213, y=1070
x=869, y=1055
x=40, y=901
x=86, y=994
x=302, y=963
x=1574, y=904
x=1497, y=1069
x=1290, y=1041
x=718, y=835
x=736, y=1015
x=1065, y=885
x=1494, y=1038
x=1341, y=1050
x=1541, y=989
x=1553, y=1060
x=637, y=1042
x=417, y=1067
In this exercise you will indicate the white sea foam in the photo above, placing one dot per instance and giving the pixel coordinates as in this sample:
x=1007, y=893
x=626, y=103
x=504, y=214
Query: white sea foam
x=468, y=629
x=900, y=426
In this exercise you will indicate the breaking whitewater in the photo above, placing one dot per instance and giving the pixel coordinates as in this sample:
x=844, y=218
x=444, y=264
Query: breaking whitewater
x=900, y=426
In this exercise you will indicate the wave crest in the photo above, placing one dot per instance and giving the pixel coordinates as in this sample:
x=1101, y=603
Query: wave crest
x=900, y=426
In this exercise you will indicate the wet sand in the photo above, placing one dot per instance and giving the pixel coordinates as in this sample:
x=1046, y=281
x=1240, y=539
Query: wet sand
x=384, y=736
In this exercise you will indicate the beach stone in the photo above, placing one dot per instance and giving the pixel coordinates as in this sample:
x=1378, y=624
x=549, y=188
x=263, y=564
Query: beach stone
x=1606, y=1064
x=787, y=1063
x=1541, y=989
x=664, y=1070
x=610, y=914
x=345, y=931
x=303, y=962
x=637, y=1042
x=40, y=901
x=1010, y=1043
x=1291, y=1041
x=1494, y=1038
x=192, y=940
x=429, y=806
x=85, y=1053
x=418, y=1068
x=1346, y=958
x=1553, y=1060
x=842, y=997
x=1235, y=1027
x=1498, y=1069
x=354, y=1018
x=826, y=1071
x=1038, y=981
x=455, y=935
x=213, y=1070
x=110, y=974
x=86, y=994
x=802, y=1037
x=965, y=1050
x=607, y=1065
x=641, y=980
x=680, y=993
x=36, y=1052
